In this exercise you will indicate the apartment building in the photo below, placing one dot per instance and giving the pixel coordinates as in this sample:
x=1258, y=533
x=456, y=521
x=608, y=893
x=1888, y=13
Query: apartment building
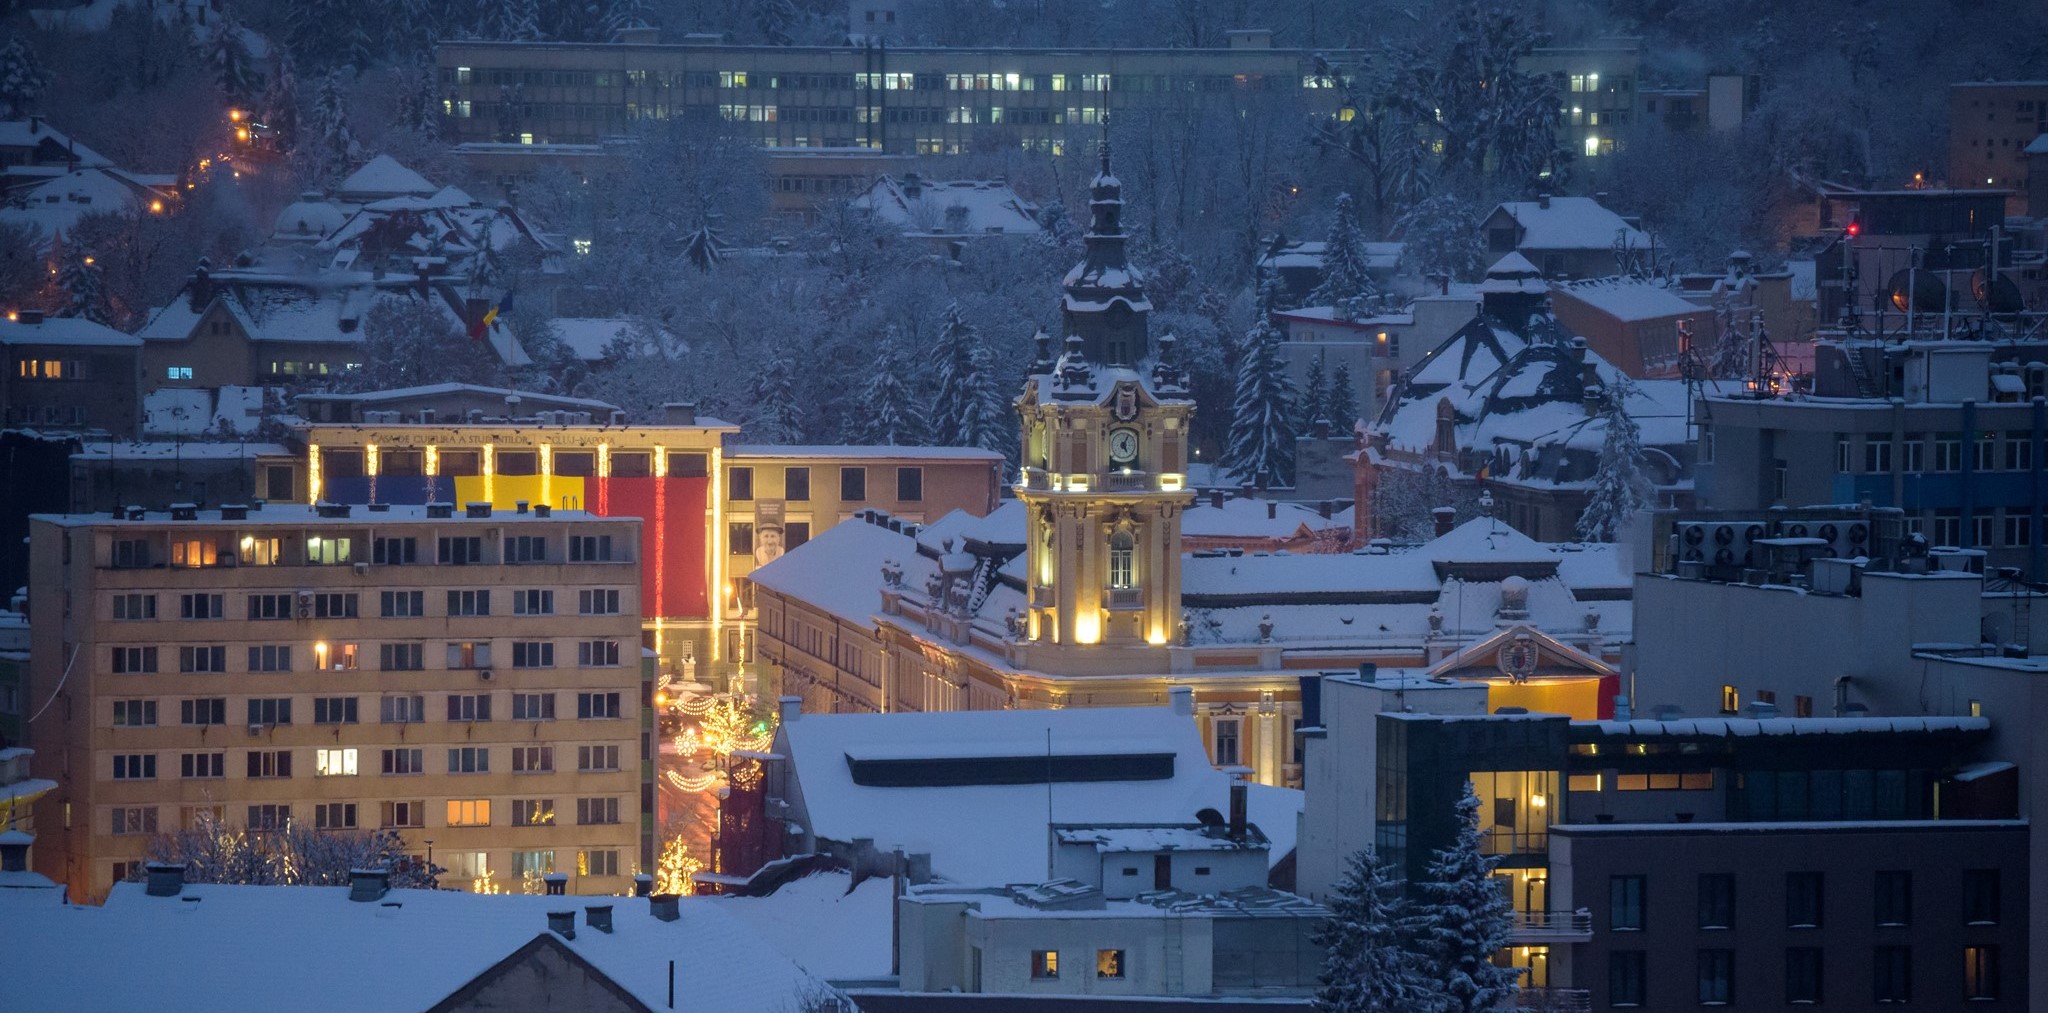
x=1990, y=124
x=929, y=101
x=468, y=677
x=68, y=374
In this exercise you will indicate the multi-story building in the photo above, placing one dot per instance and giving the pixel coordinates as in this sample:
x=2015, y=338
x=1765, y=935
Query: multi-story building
x=470, y=678
x=68, y=373
x=1745, y=861
x=1990, y=124
x=1950, y=432
x=1374, y=350
x=928, y=100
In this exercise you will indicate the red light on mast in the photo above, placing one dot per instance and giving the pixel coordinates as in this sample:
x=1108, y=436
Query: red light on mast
x=1854, y=229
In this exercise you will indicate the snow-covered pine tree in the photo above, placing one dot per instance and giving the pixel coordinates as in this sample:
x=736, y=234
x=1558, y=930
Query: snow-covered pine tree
x=85, y=290
x=1464, y=919
x=705, y=248
x=1340, y=406
x=1315, y=397
x=233, y=68
x=22, y=78
x=1368, y=966
x=1347, y=287
x=336, y=149
x=777, y=21
x=887, y=415
x=328, y=33
x=279, y=107
x=1261, y=446
x=508, y=20
x=414, y=27
x=778, y=413
x=1621, y=489
x=295, y=854
x=419, y=102
x=968, y=408
x=1442, y=237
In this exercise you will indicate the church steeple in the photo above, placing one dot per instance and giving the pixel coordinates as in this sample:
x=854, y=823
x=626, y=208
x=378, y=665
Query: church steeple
x=1105, y=303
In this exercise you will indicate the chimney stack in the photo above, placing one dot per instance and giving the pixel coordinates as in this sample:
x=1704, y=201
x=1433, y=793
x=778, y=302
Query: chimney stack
x=599, y=917
x=1446, y=519
x=663, y=906
x=680, y=413
x=166, y=879
x=1543, y=201
x=562, y=923
x=1216, y=498
x=366, y=885
x=558, y=884
x=643, y=885
x=1238, y=819
x=1272, y=509
x=788, y=709
x=1181, y=699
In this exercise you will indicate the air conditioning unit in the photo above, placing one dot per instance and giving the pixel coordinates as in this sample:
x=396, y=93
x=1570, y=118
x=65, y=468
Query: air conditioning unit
x=1732, y=543
x=484, y=674
x=1849, y=539
x=256, y=729
x=1692, y=542
x=362, y=569
x=305, y=604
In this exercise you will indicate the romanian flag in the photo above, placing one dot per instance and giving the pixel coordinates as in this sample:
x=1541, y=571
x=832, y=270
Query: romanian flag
x=1485, y=472
x=483, y=323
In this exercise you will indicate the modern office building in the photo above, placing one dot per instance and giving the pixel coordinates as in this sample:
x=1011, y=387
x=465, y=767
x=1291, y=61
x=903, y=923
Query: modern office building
x=928, y=100
x=1950, y=432
x=468, y=677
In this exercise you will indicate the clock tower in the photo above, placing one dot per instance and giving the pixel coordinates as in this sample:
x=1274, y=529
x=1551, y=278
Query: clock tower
x=1105, y=427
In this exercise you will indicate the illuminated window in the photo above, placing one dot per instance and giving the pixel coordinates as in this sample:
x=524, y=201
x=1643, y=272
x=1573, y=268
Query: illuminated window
x=1109, y=963
x=194, y=552
x=461, y=865
x=533, y=812
x=1592, y=146
x=1122, y=556
x=1583, y=782
x=1731, y=700
x=1045, y=964
x=334, y=763
x=469, y=812
x=177, y=372
x=537, y=862
x=259, y=551
x=327, y=551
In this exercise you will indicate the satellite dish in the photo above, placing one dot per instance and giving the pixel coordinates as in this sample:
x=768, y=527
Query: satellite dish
x=1929, y=294
x=1209, y=818
x=1996, y=293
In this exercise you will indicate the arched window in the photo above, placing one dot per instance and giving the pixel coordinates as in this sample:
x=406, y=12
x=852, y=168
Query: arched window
x=1123, y=551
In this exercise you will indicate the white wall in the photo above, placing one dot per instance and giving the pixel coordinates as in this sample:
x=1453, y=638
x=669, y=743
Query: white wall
x=1338, y=771
x=1163, y=954
x=1227, y=869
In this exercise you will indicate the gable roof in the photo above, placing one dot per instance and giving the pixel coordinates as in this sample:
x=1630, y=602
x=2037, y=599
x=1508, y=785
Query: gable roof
x=1569, y=223
x=333, y=955
x=990, y=207
x=1629, y=299
x=383, y=177
x=1552, y=654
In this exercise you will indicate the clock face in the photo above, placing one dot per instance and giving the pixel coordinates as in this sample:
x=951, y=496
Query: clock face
x=1123, y=445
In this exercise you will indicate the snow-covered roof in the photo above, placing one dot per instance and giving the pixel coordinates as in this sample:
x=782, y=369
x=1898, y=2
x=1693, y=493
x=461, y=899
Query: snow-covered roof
x=57, y=205
x=169, y=450
x=1570, y=223
x=381, y=177
x=317, y=951
x=1244, y=517
x=830, y=927
x=309, y=219
x=177, y=411
x=1630, y=300
x=998, y=833
x=1127, y=838
x=2038, y=146
x=76, y=332
x=38, y=132
x=527, y=398
x=839, y=569
x=588, y=337
x=869, y=451
x=1750, y=727
x=988, y=207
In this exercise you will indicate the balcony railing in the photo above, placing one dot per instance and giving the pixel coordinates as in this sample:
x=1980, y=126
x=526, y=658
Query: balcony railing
x=1128, y=481
x=1550, y=1000
x=1509, y=842
x=1552, y=925
x=1124, y=597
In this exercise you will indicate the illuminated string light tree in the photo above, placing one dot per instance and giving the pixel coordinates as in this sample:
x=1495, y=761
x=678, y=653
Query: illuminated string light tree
x=672, y=874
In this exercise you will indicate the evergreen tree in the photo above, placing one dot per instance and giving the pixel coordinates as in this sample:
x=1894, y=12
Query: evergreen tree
x=777, y=21
x=622, y=14
x=779, y=415
x=1621, y=489
x=85, y=290
x=328, y=33
x=279, y=108
x=22, y=78
x=508, y=20
x=336, y=150
x=1261, y=446
x=1315, y=397
x=1340, y=406
x=887, y=415
x=1367, y=964
x=233, y=68
x=1442, y=237
x=968, y=408
x=295, y=854
x=415, y=27
x=705, y=248
x=419, y=101
x=1464, y=919
x=1347, y=288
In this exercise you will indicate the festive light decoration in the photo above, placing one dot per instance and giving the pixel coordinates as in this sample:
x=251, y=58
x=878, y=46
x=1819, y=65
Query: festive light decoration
x=693, y=785
x=485, y=884
x=727, y=728
x=672, y=874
